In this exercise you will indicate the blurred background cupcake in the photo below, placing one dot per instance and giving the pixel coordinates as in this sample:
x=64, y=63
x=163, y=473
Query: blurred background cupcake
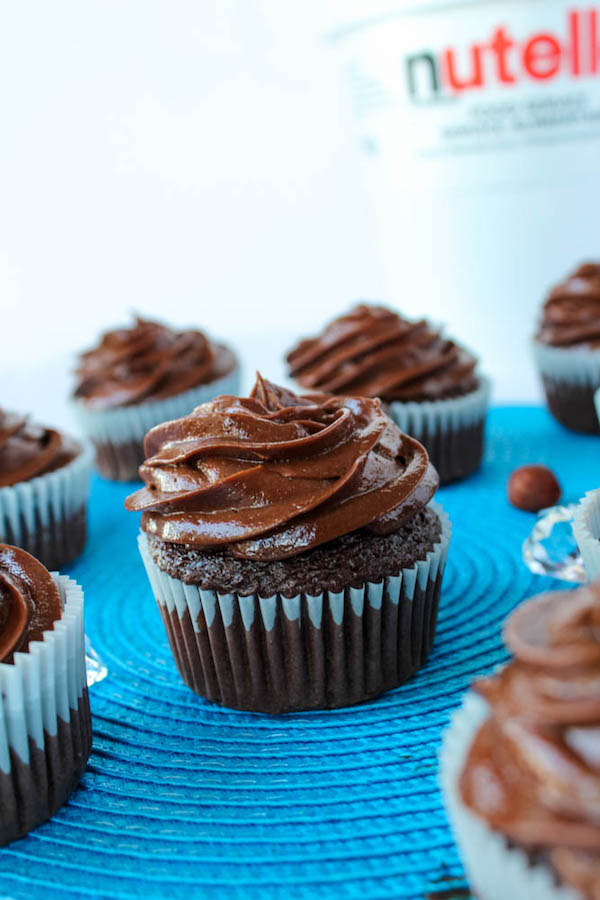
x=586, y=528
x=140, y=376
x=429, y=384
x=520, y=762
x=291, y=548
x=44, y=487
x=45, y=724
x=567, y=349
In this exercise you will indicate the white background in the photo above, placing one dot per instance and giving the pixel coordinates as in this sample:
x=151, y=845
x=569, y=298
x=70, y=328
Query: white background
x=193, y=161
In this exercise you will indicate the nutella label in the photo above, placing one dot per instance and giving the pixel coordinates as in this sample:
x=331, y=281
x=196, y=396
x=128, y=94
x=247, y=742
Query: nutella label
x=506, y=59
x=475, y=78
x=480, y=129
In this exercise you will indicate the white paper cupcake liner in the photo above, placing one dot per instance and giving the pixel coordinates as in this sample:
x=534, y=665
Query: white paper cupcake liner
x=496, y=870
x=586, y=528
x=451, y=430
x=118, y=434
x=573, y=365
x=130, y=423
x=46, y=515
x=45, y=726
x=277, y=654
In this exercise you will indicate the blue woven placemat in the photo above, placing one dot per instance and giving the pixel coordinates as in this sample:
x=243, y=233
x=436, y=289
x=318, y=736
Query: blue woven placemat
x=184, y=799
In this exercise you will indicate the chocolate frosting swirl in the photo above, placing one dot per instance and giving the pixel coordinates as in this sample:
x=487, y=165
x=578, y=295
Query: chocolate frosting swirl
x=374, y=352
x=571, y=314
x=147, y=362
x=29, y=601
x=273, y=475
x=533, y=770
x=28, y=450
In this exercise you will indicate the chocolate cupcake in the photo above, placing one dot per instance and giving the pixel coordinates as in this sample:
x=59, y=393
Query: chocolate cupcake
x=44, y=487
x=140, y=376
x=586, y=529
x=567, y=349
x=521, y=761
x=429, y=384
x=291, y=548
x=45, y=724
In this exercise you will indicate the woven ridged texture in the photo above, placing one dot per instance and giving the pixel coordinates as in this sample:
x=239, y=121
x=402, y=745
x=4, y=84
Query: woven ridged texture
x=186, y=799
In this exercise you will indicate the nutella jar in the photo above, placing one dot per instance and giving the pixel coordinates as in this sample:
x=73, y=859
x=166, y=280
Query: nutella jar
x=480, y=129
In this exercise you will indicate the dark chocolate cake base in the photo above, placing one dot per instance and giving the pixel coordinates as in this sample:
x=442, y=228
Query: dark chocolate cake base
x=291, y=653
x=350, y=560
x=572, y=405
x=55, y=543
x=32, y=792
x=120, y=462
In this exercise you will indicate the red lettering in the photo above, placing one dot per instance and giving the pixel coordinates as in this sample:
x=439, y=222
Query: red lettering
x=593, y=42
x=501, y=43
x=450, y=76
x=574, y=36
x=541, y=56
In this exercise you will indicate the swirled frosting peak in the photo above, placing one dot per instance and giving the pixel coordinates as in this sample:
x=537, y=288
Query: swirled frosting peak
x=533, y=770
x=374, y=352
x=571, y=314
x=28, y=450
x=29, y=601
x=273, y=475
x=147, y=362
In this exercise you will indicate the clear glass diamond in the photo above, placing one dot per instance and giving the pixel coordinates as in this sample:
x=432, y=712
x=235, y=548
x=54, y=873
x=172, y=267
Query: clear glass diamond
x=551, y=548
x=96, y=670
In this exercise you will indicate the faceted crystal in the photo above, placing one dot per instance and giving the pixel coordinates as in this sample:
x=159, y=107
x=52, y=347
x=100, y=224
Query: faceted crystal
x=551, y=548
x=96, y=670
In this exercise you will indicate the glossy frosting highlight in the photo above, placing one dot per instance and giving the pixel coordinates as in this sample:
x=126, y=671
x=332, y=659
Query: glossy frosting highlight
x=273, y=475
x=29, y=601
x=28, y=450
x=533, y=770
x=571, y=314
x=374, y=352
x=148, y=362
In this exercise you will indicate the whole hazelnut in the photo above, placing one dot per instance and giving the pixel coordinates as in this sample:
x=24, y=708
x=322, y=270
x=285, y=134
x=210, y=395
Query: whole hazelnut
x=533, y=488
